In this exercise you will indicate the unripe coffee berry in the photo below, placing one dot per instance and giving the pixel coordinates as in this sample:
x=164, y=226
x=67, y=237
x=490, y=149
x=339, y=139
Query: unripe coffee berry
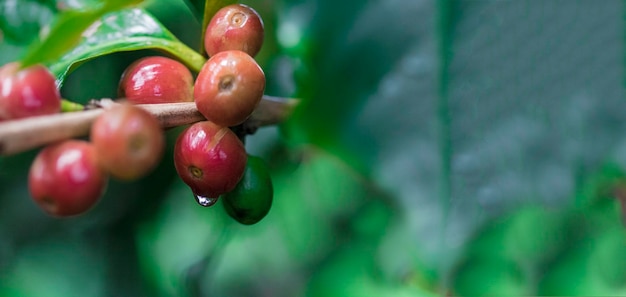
x=234, y=27
x=229, y=87
x=65, y=178
x=250, y=201
x=210, y=159
x=27, y=92
x=156, y=80
x=129, y=141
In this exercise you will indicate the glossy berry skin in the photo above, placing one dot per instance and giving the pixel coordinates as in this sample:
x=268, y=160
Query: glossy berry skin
x=234, y=27
x=229, y=87
x=65, y=179
x=27, y=92
x=251, y=199
x=209, y=158
x=129, y=141
x=156, y=80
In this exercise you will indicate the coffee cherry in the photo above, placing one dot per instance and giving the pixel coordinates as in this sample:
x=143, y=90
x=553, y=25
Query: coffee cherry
x=156, y=80
x=65, y=178
x=229, y=87
x=234, y=27
x=28, y=92
x=129, y=141
x=251, y=199
x=210, y=159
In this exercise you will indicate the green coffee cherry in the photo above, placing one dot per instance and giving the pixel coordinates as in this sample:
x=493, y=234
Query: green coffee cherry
x=251, y=199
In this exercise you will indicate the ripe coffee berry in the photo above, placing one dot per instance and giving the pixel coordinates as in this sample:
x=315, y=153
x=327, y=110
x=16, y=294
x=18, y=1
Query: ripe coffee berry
x=129, y=141
x=251, y=199
x=210, y=159
x=28, y=92
x=156, y=80
x=65, y=178
x=234, y=27
x=229, y=87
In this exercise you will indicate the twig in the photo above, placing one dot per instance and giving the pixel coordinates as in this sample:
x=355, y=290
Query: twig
x=24, y=134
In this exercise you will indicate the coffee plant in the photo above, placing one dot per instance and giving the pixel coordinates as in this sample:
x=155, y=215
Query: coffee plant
x=127, y=141
x=357, y=148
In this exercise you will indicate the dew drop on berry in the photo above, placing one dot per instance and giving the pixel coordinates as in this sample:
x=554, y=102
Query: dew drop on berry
x=205, y=201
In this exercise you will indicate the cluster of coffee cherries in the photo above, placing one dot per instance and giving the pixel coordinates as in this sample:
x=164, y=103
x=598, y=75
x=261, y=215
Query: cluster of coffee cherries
x=126, y=142
x=69, y=177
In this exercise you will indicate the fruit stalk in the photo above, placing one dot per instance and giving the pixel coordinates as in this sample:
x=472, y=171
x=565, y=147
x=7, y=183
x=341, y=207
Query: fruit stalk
x=24, y=134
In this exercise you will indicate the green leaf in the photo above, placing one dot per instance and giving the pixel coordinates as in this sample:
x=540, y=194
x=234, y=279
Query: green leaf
x=125, y=30
x=505, y=278
x=529, y=236
x=21, y=24
x=197, y=7
x=76, y=4
x=66, y=31
x=352, y=272
x=21, y=20
x=510, y=251
x=592, y=266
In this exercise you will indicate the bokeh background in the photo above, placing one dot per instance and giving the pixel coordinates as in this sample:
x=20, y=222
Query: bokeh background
x=452, y=147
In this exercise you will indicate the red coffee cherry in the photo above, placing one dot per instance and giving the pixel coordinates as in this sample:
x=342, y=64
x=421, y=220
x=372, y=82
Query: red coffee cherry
x=129, y=141
x=28, y=92
x=229, y=87
x=234, y=27
x=156, y=80
x=210, y=159
x=65, y=178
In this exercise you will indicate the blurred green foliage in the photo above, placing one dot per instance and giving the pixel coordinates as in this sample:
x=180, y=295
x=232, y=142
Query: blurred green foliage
x=452, y=147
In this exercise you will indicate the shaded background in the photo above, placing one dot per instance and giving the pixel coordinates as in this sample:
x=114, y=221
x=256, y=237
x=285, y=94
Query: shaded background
x=464, y=147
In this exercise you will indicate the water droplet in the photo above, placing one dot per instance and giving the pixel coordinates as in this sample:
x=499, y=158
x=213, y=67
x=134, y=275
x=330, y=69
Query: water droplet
x=205, y=201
